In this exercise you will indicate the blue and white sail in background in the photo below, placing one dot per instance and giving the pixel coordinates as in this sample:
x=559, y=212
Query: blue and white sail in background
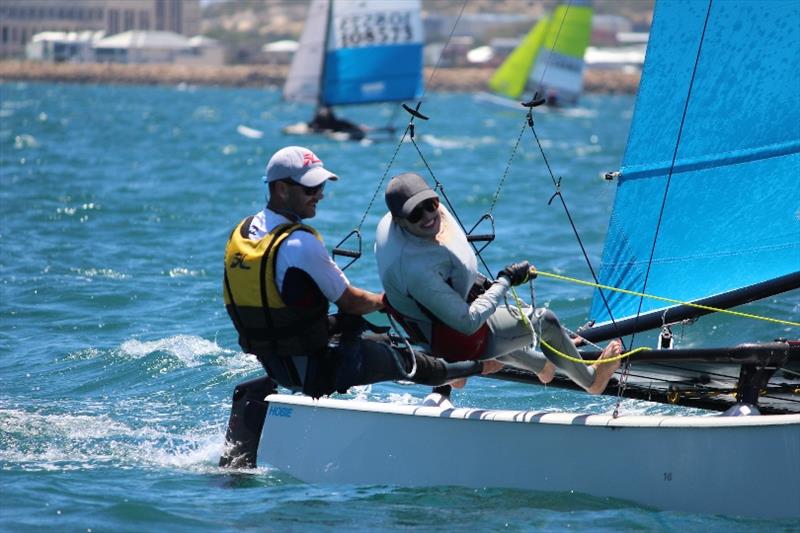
x=357, y=52
x=716, y=138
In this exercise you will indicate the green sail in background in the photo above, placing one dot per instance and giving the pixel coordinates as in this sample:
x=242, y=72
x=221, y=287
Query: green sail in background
x=550, y=56
x=511, y=78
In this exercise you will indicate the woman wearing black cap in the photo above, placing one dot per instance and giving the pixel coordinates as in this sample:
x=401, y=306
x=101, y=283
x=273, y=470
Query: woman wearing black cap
x=429, y=272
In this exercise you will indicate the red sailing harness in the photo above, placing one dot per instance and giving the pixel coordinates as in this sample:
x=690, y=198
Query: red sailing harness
x=445, y=342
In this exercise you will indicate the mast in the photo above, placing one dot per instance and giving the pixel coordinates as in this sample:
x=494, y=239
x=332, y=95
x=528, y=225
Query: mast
x=320, y=96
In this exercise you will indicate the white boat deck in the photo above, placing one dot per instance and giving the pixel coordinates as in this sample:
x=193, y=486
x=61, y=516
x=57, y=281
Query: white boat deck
x=745, y=465
x=538, y=417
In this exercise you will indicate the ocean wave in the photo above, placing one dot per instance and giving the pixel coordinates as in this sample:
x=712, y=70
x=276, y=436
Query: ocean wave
x=25, y=140
x=187, y=348
x=450, y=143
x=181, y=272
x=61, y=441
x=99, y=273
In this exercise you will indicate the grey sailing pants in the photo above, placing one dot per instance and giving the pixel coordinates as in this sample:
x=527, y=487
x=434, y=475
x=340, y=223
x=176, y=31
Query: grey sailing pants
x=511, y=342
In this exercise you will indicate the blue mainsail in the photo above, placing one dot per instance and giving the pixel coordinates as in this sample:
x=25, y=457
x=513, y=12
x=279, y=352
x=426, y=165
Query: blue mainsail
x=716, y=138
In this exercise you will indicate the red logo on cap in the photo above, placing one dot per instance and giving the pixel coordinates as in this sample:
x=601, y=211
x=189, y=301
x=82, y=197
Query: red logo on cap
x=309, y=159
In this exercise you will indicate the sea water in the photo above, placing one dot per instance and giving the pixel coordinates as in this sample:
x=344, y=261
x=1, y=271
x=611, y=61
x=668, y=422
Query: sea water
x=117, y=359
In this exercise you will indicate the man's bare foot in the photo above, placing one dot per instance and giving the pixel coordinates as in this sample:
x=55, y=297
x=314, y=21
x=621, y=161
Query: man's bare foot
x=547, y=373
x=458, y=383
x=490, y=366
x=604, y=371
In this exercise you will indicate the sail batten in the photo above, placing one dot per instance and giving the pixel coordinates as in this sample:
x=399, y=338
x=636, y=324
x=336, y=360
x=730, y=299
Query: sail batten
x=728, y=98
x=716, y=160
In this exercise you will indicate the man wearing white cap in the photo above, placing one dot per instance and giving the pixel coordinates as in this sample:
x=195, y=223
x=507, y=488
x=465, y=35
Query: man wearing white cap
x=279, y=280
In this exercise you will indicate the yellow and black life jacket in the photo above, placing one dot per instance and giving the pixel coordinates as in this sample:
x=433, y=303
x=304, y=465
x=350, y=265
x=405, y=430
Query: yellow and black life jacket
x=267, y=326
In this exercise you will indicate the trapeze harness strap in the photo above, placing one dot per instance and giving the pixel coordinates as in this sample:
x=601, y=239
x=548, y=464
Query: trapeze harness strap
x=453, y=345
x=445, y=341
x=267, y=326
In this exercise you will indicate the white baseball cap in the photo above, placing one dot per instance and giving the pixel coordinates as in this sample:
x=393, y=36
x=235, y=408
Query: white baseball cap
x=298, y=163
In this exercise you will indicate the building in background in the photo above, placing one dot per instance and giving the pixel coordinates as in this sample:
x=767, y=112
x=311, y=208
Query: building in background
x=138, y=47
x=20, y=20
x=63, y=46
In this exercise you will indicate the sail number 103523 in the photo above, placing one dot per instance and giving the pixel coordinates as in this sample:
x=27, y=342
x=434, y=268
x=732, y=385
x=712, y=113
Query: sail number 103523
x=391, y=27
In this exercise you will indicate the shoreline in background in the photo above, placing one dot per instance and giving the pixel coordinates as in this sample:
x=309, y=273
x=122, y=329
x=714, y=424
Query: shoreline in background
x=445, y=79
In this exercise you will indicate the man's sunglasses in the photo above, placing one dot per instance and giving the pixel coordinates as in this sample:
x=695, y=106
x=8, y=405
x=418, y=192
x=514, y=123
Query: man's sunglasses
x=309, y=191
x=430, y=205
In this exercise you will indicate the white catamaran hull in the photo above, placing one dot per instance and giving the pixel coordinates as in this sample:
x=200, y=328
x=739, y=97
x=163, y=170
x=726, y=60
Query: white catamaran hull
x=723, y=465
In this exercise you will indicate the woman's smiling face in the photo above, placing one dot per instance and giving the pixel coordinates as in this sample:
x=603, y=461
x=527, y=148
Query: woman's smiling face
x=425, y=220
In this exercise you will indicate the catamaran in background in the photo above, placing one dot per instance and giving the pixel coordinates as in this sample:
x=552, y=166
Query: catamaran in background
x=705, y=216
x=548, y=61
x=355, y=53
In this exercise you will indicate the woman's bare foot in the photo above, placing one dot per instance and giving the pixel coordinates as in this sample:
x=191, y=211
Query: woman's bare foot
x=458, y=383
x=547, y=373
x=490, y=366
x=604, y=371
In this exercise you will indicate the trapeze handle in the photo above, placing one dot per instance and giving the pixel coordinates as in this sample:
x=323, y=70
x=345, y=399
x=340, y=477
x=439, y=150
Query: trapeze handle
x=346, y=253
x=484, y=237
x=352, y=254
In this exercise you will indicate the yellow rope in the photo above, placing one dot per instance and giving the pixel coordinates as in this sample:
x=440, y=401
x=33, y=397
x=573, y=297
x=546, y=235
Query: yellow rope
x=619, y=357
x=524, y=319
x=670, y=300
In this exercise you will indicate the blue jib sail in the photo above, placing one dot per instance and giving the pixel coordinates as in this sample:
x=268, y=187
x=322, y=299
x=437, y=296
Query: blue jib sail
x=374, y=52
x=715, y=137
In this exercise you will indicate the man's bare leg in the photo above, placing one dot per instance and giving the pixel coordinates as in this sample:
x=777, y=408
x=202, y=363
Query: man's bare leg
x=490, y=366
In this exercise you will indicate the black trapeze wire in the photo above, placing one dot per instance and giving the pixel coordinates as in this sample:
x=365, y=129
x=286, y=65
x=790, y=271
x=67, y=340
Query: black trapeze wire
x=556, y=183
x=440, y=186
x=672, y=167
x=409, y=131
x=528, y=117
x=624, y=381
x=550, y=50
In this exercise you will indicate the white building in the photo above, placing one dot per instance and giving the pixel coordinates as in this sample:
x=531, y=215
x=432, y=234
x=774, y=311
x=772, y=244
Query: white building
x=158, y=47
x=279, y=52
x=63, y=46
x=20, y=20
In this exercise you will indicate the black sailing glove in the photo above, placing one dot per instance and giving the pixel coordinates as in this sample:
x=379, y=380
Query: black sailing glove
x=516, y=273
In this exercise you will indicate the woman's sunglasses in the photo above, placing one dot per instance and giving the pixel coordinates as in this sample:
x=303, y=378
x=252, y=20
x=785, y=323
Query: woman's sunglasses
x=430, y=205
x=309, y=191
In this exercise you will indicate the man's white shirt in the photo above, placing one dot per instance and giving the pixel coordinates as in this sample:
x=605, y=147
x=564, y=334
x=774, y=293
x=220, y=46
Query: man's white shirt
x=304, y=251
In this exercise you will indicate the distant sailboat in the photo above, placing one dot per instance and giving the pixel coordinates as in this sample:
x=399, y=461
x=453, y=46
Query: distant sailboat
x=355, y=52
x=549, y=59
